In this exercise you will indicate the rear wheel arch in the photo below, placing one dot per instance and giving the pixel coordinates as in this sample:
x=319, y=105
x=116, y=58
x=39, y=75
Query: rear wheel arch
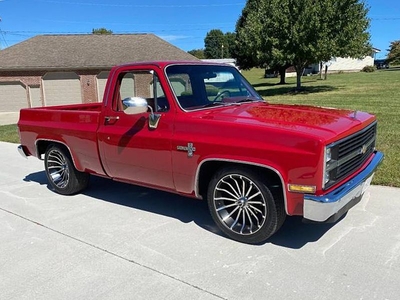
x=42, y=145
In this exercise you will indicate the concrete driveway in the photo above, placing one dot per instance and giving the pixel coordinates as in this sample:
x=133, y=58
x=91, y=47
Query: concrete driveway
x=117, y=241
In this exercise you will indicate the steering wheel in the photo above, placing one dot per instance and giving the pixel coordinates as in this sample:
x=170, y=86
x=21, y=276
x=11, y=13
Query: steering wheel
x=221, y=95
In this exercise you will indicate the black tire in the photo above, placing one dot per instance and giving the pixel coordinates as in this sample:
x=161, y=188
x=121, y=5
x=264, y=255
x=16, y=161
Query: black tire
x=61, y=173
x=243, y=207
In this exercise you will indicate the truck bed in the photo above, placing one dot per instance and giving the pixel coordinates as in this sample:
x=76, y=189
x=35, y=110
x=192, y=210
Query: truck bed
x=74, y=126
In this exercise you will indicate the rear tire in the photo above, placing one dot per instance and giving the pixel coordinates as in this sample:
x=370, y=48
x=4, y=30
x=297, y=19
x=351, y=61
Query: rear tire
x=61, y=173
x=243, y=207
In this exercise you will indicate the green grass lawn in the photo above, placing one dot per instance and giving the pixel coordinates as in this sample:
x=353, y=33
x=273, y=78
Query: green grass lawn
x=377, y=93
x=9, y=133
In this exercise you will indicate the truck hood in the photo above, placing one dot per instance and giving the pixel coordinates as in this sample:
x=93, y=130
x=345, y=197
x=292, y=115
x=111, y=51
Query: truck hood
x=321, y=122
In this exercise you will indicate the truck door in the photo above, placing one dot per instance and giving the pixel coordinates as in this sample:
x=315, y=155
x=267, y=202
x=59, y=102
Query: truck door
x=129, y=148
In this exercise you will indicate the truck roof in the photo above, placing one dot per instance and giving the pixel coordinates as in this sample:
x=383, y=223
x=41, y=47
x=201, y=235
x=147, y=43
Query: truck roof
x=165, y=63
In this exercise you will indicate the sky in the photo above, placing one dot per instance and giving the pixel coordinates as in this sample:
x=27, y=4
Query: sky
x=182, y=23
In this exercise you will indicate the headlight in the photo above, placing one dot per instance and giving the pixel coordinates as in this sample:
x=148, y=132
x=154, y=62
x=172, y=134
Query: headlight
x=330, y=165
x=328, y=155
x=327, y=177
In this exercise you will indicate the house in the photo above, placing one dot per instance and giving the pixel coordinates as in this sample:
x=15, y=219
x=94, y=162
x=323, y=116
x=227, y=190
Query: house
x=65, y=69
x=339, y=64
x=346, y=64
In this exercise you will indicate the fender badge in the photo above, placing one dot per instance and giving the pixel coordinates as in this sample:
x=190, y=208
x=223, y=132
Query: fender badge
x=189, y=148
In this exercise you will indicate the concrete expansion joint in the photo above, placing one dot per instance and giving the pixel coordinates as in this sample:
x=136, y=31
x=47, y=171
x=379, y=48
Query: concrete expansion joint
x=113, y=254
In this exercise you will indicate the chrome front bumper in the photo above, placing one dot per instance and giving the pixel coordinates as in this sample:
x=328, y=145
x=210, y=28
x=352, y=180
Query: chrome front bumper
x=330, y=207
x=22, y=151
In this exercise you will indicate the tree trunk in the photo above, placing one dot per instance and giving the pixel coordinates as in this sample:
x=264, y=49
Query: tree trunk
x=326, y=72
x=282, y=73
x=299, y=72
x=320, y=70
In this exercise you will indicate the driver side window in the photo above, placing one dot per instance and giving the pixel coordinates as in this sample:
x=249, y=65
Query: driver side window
x=141, y=84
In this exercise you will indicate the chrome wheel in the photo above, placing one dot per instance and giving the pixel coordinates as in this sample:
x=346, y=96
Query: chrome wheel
x=57, y=167
x=63, y=177
x=240, y=204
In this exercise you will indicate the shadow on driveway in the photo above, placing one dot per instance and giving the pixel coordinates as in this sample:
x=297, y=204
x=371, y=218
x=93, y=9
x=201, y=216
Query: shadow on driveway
x=294, y=233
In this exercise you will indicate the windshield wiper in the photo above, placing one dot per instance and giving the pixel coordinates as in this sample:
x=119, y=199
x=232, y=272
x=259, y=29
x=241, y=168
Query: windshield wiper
x=211, y=104
x=248, y=99
x=232, y=102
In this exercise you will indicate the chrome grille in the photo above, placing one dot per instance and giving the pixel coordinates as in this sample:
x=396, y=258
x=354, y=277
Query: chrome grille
x=350, y=153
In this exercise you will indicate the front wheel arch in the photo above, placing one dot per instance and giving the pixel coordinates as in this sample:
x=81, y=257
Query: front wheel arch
x=271, y=177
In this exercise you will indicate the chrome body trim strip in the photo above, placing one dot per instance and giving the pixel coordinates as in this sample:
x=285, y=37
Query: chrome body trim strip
x=55, y=141
x=197, y=185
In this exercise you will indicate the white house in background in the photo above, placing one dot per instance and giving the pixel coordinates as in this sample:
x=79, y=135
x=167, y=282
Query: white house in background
x=340, y=64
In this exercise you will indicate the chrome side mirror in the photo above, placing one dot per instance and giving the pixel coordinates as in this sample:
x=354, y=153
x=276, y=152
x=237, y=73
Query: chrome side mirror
x=134, y=105
x=138, y=105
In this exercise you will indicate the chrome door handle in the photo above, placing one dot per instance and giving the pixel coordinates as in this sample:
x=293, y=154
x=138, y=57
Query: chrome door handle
x=108, y=119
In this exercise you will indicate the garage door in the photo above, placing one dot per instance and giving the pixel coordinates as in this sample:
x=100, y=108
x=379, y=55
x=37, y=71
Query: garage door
x=12, y=96
x=61, y=88
x=34, y=92
x=101, y=84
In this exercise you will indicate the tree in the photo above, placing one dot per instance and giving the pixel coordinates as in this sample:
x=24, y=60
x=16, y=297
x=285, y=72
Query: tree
x=218, y=44
x=214, y=44
x=199, y=53
x=101, y=31
x=279, y=33
x=394, y=52
x=229, y=44
x=252, y=49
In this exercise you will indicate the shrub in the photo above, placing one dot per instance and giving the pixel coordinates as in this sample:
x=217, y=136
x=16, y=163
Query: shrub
x=368, y=69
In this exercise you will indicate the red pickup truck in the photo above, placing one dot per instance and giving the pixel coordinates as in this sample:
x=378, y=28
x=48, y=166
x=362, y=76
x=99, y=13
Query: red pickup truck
x=201, y=130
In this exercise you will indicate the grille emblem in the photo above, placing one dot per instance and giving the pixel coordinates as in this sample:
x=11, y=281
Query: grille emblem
x=363, y=149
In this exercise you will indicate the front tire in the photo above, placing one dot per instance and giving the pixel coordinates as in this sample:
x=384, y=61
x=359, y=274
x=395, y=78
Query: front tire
x=61, y=173
x=242, y=205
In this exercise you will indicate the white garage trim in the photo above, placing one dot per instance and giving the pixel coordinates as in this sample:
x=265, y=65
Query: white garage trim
x=60, y=88
x=101, y=84
x=13, y=96
x=34, y=94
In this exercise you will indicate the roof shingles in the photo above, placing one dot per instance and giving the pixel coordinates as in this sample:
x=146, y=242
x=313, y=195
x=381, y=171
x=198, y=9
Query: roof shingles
x=87, y=51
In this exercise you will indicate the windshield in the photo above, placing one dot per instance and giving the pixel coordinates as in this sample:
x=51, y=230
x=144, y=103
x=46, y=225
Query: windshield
x=200, y=86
